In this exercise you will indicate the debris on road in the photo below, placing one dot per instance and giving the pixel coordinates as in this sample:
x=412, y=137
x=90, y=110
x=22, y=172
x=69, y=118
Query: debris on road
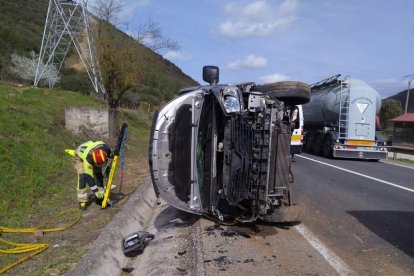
x=134, y=244
x=234, y=233
x=182, y=252
x=127, y=269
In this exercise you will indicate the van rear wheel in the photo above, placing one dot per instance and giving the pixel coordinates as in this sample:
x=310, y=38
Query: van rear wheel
x=289, y=92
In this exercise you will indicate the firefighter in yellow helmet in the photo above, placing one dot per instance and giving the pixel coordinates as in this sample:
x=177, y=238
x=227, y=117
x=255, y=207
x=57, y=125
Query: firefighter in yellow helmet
x=90, y=160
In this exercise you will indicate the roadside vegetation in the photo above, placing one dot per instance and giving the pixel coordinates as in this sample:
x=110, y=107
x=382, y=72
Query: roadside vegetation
x=37, y=178
x=406, y=161
x=134, y=73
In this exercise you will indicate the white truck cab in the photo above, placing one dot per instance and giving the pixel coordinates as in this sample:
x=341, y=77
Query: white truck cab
x=297, y=130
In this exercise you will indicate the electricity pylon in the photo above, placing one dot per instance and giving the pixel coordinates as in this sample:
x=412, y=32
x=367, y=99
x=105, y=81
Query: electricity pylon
x=67, y=23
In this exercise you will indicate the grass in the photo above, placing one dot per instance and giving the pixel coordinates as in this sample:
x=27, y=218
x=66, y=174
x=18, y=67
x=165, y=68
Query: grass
x=408, y=161
x=37, y=179
x=35, y=175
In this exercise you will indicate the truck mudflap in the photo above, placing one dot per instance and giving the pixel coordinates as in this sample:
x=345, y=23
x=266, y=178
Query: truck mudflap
x=285, y=214
x=360, y=154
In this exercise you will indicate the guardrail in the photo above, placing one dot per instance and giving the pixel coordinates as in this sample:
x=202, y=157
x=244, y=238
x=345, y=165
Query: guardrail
x=401, y=149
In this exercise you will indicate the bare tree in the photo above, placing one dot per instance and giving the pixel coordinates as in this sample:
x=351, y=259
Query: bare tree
x=151, y=36
x=120, y=69
x=108, y=10
x=120, y=66
x=148, y=34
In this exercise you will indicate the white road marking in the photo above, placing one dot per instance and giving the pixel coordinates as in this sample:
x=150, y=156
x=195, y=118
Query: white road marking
x=337, y=263
x=360, y=174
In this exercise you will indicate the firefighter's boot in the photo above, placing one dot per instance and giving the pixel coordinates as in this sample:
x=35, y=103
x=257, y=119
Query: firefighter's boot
x=98, y=200
x=82, y=206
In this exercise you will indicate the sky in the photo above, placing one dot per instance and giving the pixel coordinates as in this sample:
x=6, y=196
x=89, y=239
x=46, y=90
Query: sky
x=304, y=40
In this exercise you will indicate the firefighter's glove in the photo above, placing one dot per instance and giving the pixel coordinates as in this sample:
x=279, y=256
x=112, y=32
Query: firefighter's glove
x=99, y=194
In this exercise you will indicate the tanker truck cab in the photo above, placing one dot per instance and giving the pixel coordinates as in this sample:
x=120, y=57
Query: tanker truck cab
x=296, y=142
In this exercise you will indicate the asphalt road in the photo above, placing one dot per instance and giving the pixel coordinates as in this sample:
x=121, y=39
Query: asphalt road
x=186, y=244
x=357, y=219
x=361, y=210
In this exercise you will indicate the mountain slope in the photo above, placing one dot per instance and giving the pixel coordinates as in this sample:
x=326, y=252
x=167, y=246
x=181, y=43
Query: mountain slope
x=37, y=177
x=21, y=30
x=402, y=96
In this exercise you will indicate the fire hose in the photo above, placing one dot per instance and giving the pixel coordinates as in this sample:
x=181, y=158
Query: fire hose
x=34, y=248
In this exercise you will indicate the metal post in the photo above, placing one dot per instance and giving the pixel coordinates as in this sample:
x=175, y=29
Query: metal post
x=410, y=79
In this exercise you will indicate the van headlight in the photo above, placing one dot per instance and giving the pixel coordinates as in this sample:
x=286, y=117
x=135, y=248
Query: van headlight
x=231, y=101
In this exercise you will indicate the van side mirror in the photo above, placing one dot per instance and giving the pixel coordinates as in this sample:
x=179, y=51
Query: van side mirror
x=211, y=74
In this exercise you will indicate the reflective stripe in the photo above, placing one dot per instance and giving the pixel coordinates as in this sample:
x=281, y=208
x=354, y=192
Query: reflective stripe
x=102, y=155
x=94, y=158
x=94, y=188
x=85, y=195
x=81, y=149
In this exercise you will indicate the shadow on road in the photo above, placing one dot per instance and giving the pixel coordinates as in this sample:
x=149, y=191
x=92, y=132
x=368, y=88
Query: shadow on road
x=171, y=217
x=395, y=227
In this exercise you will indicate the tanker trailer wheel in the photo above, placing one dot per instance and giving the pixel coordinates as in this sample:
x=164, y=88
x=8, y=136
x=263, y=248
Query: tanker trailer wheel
x=290, y=92
x=317, y=145
x=327, y=149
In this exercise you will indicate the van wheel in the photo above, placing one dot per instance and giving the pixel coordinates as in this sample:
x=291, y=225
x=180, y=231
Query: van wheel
x=289, y=92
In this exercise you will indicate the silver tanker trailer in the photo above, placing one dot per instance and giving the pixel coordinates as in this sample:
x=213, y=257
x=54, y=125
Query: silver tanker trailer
x=340, y=120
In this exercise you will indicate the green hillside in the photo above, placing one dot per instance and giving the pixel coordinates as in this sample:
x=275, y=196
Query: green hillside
x=402, y=96
x=21, y=30
x=37, y=177
x=35, y=172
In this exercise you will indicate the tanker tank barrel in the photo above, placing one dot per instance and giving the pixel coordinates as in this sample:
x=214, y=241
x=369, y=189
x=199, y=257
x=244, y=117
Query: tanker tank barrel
x=342, y=111
x=326, y=82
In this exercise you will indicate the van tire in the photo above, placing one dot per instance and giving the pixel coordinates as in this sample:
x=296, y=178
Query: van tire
x=289, y=92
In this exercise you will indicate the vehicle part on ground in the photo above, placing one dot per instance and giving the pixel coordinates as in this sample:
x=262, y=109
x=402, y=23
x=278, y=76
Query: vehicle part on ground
x=234, y=233
x=223, y=150
x=135, y=243
x=340, y=120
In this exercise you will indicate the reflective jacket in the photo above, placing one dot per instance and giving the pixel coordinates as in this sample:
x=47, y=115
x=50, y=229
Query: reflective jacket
x=84, y=151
